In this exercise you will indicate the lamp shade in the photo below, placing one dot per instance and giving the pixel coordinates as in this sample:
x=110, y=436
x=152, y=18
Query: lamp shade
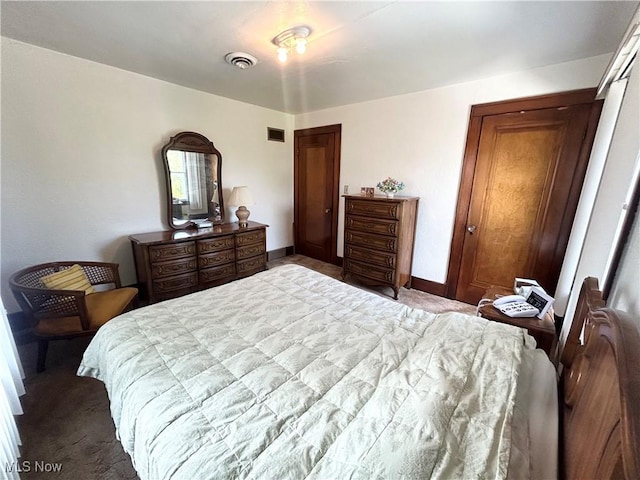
x=240, y=196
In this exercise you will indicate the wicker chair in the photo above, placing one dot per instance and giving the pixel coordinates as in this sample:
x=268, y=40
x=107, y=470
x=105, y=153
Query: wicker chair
x=66, y=314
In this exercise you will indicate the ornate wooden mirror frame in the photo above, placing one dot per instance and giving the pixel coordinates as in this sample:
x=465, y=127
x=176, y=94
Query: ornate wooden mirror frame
x=194, y=181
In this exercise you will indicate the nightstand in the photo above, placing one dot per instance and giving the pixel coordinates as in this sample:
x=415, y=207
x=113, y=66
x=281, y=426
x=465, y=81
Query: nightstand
x=543, y=330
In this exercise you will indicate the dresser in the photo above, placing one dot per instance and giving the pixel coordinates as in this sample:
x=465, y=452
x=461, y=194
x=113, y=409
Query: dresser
x=379, y=234
x=173, y=263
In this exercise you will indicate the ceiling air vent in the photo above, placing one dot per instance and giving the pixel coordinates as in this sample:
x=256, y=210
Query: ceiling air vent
x=241, y=60
x=275, y=134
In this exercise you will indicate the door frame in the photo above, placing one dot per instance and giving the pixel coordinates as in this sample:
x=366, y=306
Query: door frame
x=478, y=112
x=336, y=129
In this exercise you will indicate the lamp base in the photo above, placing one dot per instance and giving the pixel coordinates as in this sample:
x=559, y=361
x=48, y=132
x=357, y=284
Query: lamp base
x=243, y=215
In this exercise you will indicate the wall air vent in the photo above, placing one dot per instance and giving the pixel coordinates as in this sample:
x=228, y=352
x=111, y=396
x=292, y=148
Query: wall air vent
x=241, y=60
x=275, y=134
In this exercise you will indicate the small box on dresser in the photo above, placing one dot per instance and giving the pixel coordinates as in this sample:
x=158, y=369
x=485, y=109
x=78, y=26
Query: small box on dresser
x=173, y=263
x=379, y=236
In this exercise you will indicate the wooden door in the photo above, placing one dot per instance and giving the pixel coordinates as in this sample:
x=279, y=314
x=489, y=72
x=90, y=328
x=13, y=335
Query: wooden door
x=316, y=191
x=525, y=174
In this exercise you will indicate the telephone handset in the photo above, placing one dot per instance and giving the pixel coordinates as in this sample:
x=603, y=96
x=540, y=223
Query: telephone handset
x=515, y=306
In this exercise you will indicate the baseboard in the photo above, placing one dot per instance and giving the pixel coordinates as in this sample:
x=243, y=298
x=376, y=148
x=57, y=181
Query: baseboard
x=428, y=286
x=279, y=253
x=18, y=321
x=21, y=328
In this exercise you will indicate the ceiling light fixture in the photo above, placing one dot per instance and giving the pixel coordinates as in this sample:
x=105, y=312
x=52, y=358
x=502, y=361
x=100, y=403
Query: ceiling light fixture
x=290, y=39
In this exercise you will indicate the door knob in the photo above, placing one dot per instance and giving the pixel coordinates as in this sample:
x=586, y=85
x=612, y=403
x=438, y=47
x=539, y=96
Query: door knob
x=327, y=210
x=471, y=229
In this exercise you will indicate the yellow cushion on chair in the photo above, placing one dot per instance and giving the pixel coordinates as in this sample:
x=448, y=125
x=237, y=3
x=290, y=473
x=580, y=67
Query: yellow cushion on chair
x=103, y=306
x=57, y=327
x=72, y=278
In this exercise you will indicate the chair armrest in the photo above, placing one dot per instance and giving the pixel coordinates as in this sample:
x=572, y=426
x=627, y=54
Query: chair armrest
x=47, y=303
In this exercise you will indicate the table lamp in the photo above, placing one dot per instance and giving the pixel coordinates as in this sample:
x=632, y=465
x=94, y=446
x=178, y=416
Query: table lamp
x=241, y=197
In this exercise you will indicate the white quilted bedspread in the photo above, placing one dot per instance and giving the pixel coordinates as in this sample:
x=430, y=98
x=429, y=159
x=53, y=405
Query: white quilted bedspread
x=290, y=374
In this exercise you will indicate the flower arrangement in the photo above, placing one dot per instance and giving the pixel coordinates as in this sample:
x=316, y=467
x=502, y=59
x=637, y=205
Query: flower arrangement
x=390, y=185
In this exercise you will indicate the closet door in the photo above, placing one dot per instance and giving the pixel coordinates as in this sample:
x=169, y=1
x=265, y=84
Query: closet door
x=518, y=209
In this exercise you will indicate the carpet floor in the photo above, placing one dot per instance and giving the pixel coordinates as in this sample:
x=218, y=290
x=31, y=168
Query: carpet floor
x=66, y=418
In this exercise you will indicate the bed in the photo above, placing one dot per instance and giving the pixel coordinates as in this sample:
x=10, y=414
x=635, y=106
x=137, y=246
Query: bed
x=293, y=374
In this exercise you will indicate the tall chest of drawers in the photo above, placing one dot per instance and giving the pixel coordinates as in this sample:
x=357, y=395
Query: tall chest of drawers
x=170, y=264
x=379, y=235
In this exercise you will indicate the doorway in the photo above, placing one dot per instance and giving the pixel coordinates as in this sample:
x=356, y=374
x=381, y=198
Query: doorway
x=316, y=191
x=523, y=169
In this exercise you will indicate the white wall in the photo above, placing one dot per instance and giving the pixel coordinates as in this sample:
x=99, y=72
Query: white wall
x=625, y=292
x=614, y=189
x=419, y=138
x=593, y=176
x=81, y=165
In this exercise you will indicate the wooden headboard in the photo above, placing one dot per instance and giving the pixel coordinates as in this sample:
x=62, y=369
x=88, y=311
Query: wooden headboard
x=600, y=388
x=590, y=299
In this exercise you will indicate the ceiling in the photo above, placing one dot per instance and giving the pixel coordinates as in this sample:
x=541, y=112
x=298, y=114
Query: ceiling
x=357, y=50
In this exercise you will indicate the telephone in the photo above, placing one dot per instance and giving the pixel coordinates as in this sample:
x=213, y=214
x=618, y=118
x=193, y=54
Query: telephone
x=515, y=306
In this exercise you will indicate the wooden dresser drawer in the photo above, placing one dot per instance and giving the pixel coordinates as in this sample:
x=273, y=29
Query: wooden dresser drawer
x=173, y=267
x=215, y=273
x=251, y=250
x=370, y=256
x=251, y=265
x=215, y=244
x=217, y=258
x=380, y=209
x=384, y=275
x=158, y=253
x=250, y=237
x=177, y=282
x=374, y=225
x=387, y=244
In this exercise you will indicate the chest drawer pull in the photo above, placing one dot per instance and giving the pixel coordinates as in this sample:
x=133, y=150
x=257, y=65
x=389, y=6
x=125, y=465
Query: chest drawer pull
x=377, y=242
x=363, y=224
x=251, y=251
x=250, y=237
x=165, y=269
x=219, y=258
x=384, y=209
x=382, y=259
x=170, y=252
x=215, y=244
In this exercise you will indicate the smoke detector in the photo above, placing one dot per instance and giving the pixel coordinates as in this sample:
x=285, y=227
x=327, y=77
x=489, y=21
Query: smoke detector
x=241, y=60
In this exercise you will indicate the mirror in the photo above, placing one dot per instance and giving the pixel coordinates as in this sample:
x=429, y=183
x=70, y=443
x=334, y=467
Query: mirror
x=194, y=189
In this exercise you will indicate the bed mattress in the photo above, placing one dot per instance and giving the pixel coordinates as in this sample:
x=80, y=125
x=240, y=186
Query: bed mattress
x=291, y=374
